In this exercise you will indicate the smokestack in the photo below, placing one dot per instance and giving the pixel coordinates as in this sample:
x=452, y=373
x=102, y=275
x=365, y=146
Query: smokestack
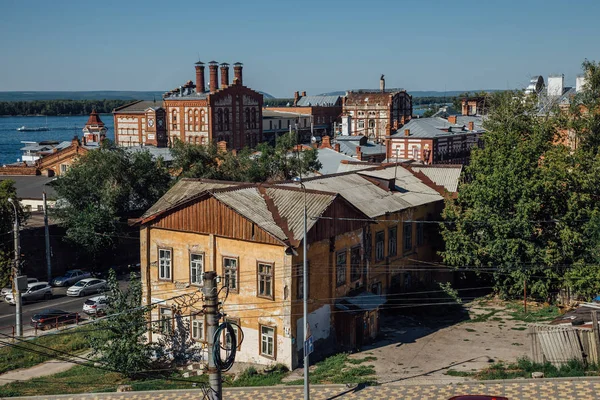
x=224, y=75
x=200, y=84
x=214, y=76
x=237, y=72
x=296, y=98
x=382, y=83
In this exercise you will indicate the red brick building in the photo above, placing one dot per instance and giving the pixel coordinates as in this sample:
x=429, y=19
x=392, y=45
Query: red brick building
x=226, y=112
x=375, y=114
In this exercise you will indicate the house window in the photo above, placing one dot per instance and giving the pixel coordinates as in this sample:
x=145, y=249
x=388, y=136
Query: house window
x=355, y=263
x=299, y=273
x=253, y=113
x=196, y=268
x=198, y=327
x=379, y=245
x=361, y=123
x=247, y=118
x=165, y=264
x=219, y=120
x=166, y=321
x=40, y=208
x=227, y=119
x=267, y=341
x=64, y=168
x=265, y=280
x=341, y=268
x=230, y=266
x=392, y=241
x=420, y=233
x=407, y=236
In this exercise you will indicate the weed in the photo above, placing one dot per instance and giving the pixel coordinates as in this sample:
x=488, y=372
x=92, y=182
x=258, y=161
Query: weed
x=470, y=330
x=517, y=344
x=361, y=360
x=484, y=317
x=453, y=372
x=519, y=328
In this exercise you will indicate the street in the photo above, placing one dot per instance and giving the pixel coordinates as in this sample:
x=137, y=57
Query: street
x=59, y=301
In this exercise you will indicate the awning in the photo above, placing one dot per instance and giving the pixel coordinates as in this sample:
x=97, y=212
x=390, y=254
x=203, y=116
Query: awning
x=361, y=302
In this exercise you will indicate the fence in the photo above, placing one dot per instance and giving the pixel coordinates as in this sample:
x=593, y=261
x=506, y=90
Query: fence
x=559, y=344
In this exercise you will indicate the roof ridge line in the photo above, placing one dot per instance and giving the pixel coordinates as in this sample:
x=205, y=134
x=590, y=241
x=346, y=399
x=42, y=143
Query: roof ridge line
x=279, y=220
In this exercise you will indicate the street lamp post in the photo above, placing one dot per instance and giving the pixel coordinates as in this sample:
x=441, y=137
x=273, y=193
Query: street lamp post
x=305, y=295
x=17, y=272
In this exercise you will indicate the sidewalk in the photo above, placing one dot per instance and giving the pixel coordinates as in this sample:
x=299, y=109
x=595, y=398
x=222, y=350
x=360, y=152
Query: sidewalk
x=44, y=369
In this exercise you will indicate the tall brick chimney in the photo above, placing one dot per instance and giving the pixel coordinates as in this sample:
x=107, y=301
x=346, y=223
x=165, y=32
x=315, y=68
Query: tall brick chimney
x=237, y=72
x=224, y=75
x=200, y=84
x=358, y=153
x=296, y=98
x=213, y=67
x=382, y=83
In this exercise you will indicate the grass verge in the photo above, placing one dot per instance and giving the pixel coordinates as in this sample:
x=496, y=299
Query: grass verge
x=336, y=369
x=25, y=356
x=534, y=313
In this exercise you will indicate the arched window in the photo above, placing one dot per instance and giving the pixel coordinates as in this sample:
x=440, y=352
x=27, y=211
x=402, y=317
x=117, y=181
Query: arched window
x=247, y=118
x=253, y=112
x=227, y=119
x=219, y=119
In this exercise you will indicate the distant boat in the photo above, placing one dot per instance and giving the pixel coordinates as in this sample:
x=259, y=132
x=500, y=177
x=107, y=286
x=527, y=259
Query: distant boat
x=37, y=129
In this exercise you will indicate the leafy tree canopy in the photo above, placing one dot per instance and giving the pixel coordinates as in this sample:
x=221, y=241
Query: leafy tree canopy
x=529, y=207
x=7, y=218
x=102, y=189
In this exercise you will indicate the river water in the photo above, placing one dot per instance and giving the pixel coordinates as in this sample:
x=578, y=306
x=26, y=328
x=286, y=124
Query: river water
x=61, y=129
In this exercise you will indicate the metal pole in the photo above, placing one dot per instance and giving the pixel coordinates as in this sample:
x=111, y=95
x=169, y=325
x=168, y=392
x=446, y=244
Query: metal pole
x=16, y=273
x=305, y=303
x=212, y=320
x=47, y=233
x=525, y=295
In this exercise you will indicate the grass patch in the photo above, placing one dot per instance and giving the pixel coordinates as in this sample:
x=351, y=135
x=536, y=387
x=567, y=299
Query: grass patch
x=519, y=328
x=470, y=330
x=524, y=367
x=484, y=317
x=517, y=344
x=533, y=314
x=335, y=369
x=453, y=372
x=12, y=358
x=251, y=377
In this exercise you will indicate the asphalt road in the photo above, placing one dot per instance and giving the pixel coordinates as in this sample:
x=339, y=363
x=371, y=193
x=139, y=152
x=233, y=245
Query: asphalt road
x=60, y=301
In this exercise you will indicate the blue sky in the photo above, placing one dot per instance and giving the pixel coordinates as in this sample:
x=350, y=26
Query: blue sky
x=317, y=46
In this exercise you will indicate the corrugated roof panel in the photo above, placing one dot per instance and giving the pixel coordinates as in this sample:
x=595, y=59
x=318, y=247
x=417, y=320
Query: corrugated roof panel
x=446, y=177
x=318, y=101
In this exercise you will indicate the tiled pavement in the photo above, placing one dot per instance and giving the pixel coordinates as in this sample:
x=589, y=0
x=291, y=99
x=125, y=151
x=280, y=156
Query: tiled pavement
x=543, y=389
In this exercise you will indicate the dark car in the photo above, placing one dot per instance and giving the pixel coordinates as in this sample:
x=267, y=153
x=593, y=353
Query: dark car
x=70, y=278
x=52, y=318
x=478, y=397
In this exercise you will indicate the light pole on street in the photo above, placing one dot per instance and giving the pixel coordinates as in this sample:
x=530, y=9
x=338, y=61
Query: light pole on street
x=305, y=295
x=17, y=272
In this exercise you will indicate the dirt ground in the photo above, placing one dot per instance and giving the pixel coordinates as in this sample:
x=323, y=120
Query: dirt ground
x=422, y=349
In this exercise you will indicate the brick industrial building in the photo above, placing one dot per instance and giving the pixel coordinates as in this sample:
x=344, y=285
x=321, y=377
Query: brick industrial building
x=227, y=112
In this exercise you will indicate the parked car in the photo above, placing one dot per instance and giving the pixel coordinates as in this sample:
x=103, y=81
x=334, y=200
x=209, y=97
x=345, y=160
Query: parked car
x=87, y=286
x=35, y=291
x=8, y=289
x=477, y=397
x=71, y=277
x=52, y=318
x=95, y=306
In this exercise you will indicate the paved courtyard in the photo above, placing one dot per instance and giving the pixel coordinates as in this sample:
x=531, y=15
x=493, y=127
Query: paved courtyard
x=542, y=389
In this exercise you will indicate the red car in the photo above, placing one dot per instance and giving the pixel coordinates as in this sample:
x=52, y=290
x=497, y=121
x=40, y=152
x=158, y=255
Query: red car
x=477, y=397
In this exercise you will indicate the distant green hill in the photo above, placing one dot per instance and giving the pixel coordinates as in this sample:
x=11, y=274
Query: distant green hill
x=421, y=93
x=87, y=95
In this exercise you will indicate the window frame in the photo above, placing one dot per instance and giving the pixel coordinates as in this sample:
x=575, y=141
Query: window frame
x=200, y=281
x=259, y=276
x=300, y=280
x=170, y=250
x=161, y=320
x=393, y=244
x=260, y=341
x=405, y=236
x=224, y=338
x=379, y=257
x=420, y=233
x=237, y=273
x=201, y=317
x=344, y=252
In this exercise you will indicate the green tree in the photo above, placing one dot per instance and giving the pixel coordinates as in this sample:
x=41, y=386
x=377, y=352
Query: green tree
x=7, y=218
x=122, y=346
x=101, y=190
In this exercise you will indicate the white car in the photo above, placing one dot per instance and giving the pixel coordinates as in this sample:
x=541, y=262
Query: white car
x=87, y=286
x=95, y=306
x=35, y=291
x=8, y=289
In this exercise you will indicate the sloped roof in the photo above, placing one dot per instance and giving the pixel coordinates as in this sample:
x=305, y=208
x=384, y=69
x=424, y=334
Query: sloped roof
x=32, y=186
x=447, y=176
x=373, y=200
x=306, y=101
x=138, y=107
x=182, y=191
x=432, y=128
x=94, y=119
x=330, y=160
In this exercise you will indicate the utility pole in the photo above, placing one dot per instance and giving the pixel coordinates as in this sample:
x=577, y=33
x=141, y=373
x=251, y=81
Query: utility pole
x=525, y=295
x=17, y=273
x=212, y=320
x=46, y=230
x=305, y=301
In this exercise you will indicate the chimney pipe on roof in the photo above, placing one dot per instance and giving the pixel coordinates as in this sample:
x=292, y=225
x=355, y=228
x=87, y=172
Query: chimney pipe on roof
x=296, y=98
x=224, y=75
x=452, y=119
x=237, y=72
x=214, y=76
x=382, y=83
x=471, y=125
x=200, y=84
x=304, y=93
x=407, y=132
